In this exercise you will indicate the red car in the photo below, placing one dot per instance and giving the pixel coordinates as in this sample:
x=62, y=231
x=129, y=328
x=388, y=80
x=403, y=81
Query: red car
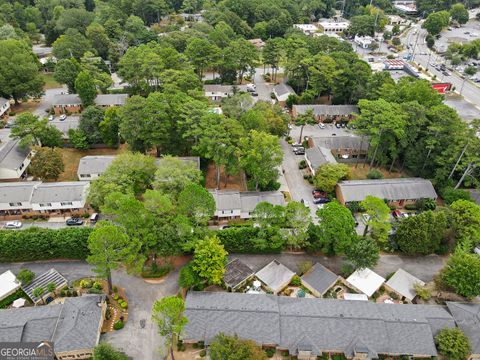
x=319, y=194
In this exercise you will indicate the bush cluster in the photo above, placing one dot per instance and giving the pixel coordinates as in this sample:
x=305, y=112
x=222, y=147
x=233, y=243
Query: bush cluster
x=43, y=244
x=247, y=239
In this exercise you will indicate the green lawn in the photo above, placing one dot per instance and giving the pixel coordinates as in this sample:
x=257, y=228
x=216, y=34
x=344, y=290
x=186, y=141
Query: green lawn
x=50, y=82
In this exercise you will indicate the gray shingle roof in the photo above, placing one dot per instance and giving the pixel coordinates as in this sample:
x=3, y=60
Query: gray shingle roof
x=3, y=101
x=94, y=164
x=218, y=88
x=342, y=142
x=236, y=272
x=60, y=192
x=283, y=89
x=111, y=99
x=73, y=325
x=71, y=122
x=17, y=191
x=67, y=99
x=326, y=110
x=245, y=201
x=403, y=283
x=50, y=276
x=319, y=156
x=321, y=324
x=319, y=278
x=12, y=155
x=467, y=317
x=275, y=275
x=390, y=189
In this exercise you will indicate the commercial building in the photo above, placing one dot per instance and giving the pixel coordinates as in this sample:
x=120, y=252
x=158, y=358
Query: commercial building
x=333, y=27
x=307, y=29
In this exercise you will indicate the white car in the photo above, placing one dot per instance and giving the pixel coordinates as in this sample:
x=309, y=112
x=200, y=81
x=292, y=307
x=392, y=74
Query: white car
x=63, y=117
x=51, y=118
x=13, y=224
x=251, y=87
x=321, y=126
x=306, y=203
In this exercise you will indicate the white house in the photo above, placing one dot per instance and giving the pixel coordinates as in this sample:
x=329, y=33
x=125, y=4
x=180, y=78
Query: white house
x=333, y=27
x=363, y=41
x=14, y=160
x=217, y=92
x=233, y=204
x=60, y=196
x=8, y=284
x=91, y=167
x=16, y=196
x=4, y=106
x=307, y=29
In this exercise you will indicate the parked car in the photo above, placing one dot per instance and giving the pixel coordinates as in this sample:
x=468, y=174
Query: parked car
x=305, y=202
x=74, y=221
x=94, y=218
x=63, y=117
x=396, y=214
x=296, y=145
x=251, y=88
x=51, y=118
x=13, y=224
x=321, y=200
x=254, y=93
x=299, y=151
x=338, y=125
x=321, y=126
x=446, y=73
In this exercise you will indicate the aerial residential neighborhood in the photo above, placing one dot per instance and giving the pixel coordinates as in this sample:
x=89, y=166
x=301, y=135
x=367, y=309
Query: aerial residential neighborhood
x=240, y=180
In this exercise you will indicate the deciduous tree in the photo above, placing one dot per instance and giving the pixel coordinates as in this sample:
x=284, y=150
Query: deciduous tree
x=453, y=344
x=66, y=71
x=209, y=260
x=173, y=175
x=462, y=273
x=225, y=347
x=85, y=87
x=196, y=203
x=47, y=164
x=32, y=131
x=328, y=175
x=363, y=253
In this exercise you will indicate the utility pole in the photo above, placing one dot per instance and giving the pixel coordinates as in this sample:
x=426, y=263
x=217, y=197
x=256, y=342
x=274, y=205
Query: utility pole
x=471, y=166
x=458, y=161
x=376, y=148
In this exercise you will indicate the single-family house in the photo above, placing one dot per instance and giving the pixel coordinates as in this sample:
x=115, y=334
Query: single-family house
x=4, y=107
x=275, y=276
x=71, y=103
x=365, y=281
x=467, y=318
x=91, y=167
x=282, y=91
x=218, y=92
x=319, y=279
x=8, y=284
x=333, y=27
x=327, y=113
x=233, y=204
x=311, y=327
x=307, y=29
x=237, y=273
x=363, y=41
x=399, y=191
x=14, y=160
x=403, y=283
x=51, y=276
x=73, y=325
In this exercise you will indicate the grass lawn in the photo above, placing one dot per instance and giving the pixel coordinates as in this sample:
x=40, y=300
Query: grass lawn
x=71, y=158
x=360, y=172
x=50, y=82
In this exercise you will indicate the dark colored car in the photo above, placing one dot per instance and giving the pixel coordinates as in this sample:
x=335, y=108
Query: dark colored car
x=397, y=214
x=299, y=151
x=321, y=200
x=319, y=194
x=74, y=221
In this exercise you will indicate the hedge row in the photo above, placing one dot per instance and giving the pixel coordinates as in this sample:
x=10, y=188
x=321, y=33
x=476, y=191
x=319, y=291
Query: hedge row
x=43, y=244
x=247, y=239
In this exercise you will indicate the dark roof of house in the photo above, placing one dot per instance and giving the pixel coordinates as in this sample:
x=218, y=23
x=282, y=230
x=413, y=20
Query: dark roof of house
x=51, y=276
x=389, y=189
x=17, y=191
x=101, y=99
x=236, y=272
x=467, y=317
x=245, y=201
x=95, y=164
x=342, y=142
x=320, y=278
x=318, y=156
x=326, y=110
x=283, y=89
x=319, y=324
x=67, y=99
x=12, y=155
x=275, y=275
x=72, y=325
x=60, y=192
x=218, y=88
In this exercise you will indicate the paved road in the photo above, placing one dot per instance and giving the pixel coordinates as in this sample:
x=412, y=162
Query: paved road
x=470, y=91
x=136, y=341
x=425, y=267
x=264, y=89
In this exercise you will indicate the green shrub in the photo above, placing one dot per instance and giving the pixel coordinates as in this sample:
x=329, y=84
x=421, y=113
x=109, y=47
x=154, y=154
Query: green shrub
x=115, y=288
x=302, y=164
x=124, y=305
x=410, y=207
x=354, y=207
x=270, y=352
x=25, y=276
x=450, y=195
x=95, y=291
x=11, y=298
x=426, y=204
x=62, y=293
x=156, y=271
x=247, y=239
x=115, y=297
x=374, y=174
x=203, y=353
x=346, y=270
x=118, y=325
x=43, y=244
x=86, y=283
x=296, y=281
x=338, y=357
x=97, y=285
